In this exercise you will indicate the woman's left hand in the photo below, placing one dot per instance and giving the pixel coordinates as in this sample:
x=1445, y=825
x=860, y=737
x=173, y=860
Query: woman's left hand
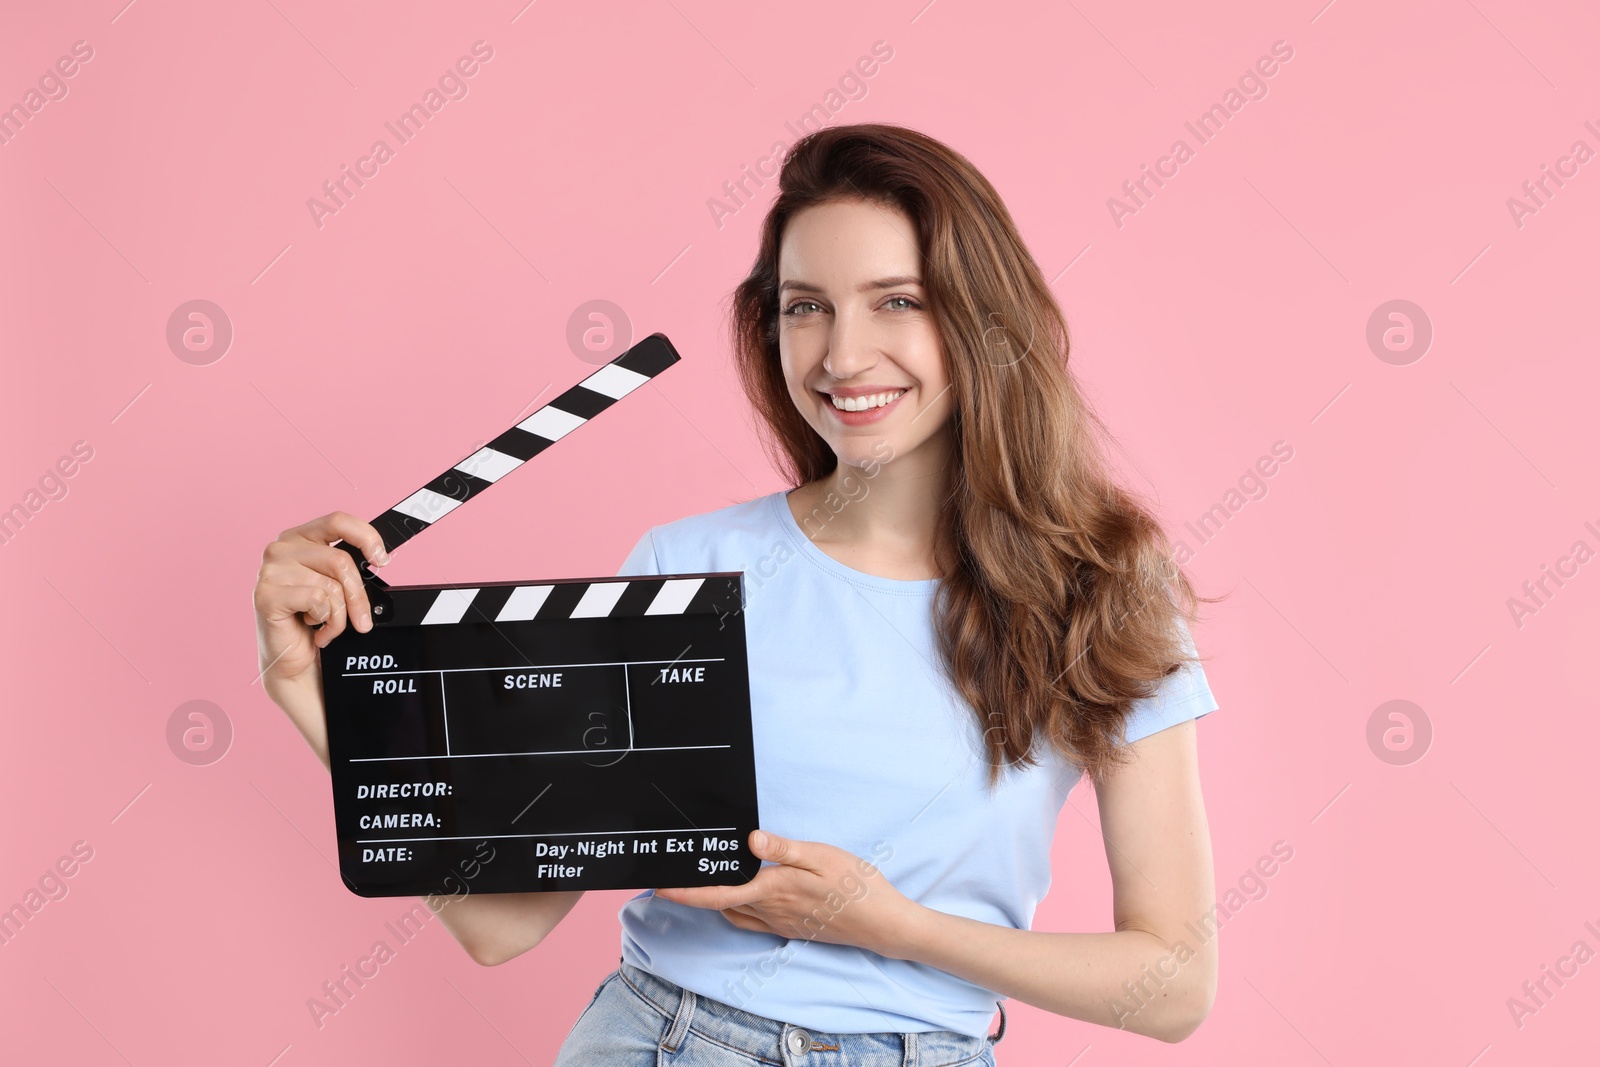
x=814, y=892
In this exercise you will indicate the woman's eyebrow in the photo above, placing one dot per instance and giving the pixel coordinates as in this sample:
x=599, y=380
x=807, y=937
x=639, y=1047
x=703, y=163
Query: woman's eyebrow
x=864, y=287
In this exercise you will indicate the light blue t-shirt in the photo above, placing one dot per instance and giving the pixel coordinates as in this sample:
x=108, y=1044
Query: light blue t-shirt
x=862, y=742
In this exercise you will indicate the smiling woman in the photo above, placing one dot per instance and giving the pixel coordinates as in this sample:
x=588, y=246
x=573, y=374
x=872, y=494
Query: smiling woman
x=939, y=664
x=932, y=668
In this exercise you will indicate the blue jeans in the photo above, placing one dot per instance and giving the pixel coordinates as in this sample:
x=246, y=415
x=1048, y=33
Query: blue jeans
x=636, y=1019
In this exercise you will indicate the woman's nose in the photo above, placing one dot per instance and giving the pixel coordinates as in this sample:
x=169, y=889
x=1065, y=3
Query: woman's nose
x=851, y=351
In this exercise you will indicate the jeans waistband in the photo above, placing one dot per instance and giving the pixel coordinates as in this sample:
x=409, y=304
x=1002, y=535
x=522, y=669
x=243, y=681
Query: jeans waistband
x=786, y=1043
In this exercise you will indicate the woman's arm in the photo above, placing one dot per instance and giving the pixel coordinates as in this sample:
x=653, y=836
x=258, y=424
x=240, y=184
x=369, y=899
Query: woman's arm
x=1153, y=975
x=303, y=580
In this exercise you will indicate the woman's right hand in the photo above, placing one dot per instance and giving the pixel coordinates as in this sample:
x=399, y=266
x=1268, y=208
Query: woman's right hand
x=305, y=580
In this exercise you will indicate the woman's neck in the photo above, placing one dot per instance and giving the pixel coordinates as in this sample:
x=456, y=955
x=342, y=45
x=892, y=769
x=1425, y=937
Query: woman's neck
x=882, y=518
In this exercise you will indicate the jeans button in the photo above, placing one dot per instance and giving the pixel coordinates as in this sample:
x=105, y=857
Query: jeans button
x=799, y=1042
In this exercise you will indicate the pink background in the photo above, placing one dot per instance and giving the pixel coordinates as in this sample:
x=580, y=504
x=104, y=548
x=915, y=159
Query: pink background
x=1229, y=313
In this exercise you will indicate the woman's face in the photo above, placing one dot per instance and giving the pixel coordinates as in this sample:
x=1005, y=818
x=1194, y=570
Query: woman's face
x=858, y=347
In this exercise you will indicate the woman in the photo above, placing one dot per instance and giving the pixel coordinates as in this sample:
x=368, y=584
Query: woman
x=953, y=616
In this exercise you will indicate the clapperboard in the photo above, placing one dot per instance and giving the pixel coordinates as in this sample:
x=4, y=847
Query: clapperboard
x=570, y=733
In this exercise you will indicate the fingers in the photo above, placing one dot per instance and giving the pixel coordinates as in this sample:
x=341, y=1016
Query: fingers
x=716, y=897
x=305, y=582
x=295, y=562
x=744, y=920
x=343, y=526
x=337, y=613
x=336, y=563
x=319, y=599
x=769, y=846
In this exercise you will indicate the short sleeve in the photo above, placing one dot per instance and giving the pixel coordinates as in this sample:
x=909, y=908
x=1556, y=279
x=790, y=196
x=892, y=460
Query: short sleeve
x=642, y=560
x=1185, y=694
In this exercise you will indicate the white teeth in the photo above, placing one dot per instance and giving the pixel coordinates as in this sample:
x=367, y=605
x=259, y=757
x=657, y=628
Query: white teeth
x=862, y=403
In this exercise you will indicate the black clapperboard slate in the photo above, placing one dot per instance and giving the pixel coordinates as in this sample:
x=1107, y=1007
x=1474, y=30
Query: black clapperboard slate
x=570, y=733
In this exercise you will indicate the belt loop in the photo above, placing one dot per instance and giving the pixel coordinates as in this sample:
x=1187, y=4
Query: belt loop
x=913, y=1054
x=680, y=1022
x=994, y=1039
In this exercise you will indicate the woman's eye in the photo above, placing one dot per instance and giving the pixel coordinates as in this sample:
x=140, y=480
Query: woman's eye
x=911, y=305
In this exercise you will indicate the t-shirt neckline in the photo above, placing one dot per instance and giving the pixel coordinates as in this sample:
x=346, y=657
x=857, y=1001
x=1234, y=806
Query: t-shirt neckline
x=779, y=502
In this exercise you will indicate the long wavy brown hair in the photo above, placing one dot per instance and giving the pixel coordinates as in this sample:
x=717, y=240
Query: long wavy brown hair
x=1058, y=593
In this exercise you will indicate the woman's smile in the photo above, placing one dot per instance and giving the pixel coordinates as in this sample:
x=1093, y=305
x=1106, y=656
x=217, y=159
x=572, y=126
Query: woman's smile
x=855, y=408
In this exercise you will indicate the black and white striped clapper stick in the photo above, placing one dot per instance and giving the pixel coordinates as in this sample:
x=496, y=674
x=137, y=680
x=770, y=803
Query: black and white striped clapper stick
x=525, y=440
x=477, y=472
x=626, y=698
